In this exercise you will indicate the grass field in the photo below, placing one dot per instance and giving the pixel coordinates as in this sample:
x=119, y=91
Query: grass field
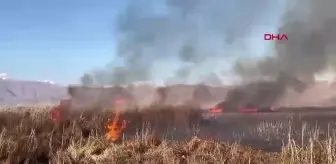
x=163, y=136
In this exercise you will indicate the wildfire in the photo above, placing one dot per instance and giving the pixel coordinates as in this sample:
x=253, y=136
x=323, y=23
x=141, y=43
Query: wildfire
x=115, y=130
x=57, y=112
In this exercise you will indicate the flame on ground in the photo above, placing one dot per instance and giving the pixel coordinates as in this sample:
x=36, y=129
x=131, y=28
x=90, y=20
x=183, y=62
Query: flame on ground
x=115, y=130
x=56, y=114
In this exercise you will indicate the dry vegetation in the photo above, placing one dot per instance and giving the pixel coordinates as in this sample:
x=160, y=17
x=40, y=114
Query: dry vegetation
x=29, y=136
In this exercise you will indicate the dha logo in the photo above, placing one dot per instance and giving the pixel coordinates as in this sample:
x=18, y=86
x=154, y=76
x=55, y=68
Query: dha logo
x=275, y=37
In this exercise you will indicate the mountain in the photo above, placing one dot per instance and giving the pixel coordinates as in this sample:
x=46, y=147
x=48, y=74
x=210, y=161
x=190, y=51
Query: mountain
x=14, y=92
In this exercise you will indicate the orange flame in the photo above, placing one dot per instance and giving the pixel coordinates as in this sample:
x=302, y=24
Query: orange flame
x=115, y=130
x=57, y=112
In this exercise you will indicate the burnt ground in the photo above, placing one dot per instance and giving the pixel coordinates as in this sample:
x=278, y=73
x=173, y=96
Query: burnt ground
x=266, y=131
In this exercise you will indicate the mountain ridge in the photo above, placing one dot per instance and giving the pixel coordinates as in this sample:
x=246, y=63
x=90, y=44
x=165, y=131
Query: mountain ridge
x=13, y=92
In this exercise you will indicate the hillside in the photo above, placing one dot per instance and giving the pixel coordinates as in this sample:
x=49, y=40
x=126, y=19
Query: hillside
x=13, y=92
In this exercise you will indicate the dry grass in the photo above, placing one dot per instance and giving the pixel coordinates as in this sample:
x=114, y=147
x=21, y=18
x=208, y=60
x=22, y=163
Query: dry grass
x=28, y=136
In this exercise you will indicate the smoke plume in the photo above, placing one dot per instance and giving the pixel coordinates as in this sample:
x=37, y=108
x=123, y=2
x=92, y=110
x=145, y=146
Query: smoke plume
x=311, y=29
x=183, y=41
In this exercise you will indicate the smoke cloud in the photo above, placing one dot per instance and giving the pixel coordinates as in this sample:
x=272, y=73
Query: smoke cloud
x=311, y=29
x=184, y=41
x=312, y=38
x=195, y=41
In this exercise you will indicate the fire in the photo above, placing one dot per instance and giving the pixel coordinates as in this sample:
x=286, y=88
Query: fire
x=216, y=110
x=58, y=111
x=56, y=114
x=115, y=130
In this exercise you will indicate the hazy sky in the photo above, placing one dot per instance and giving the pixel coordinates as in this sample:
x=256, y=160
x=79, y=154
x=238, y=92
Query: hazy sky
x=59, y=40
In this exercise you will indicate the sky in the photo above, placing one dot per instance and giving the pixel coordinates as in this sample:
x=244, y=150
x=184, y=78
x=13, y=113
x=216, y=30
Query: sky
x=55, y=40
x=59, y=40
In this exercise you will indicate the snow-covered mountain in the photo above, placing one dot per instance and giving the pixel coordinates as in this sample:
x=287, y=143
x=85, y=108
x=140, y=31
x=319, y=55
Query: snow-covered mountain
x=13, y=92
